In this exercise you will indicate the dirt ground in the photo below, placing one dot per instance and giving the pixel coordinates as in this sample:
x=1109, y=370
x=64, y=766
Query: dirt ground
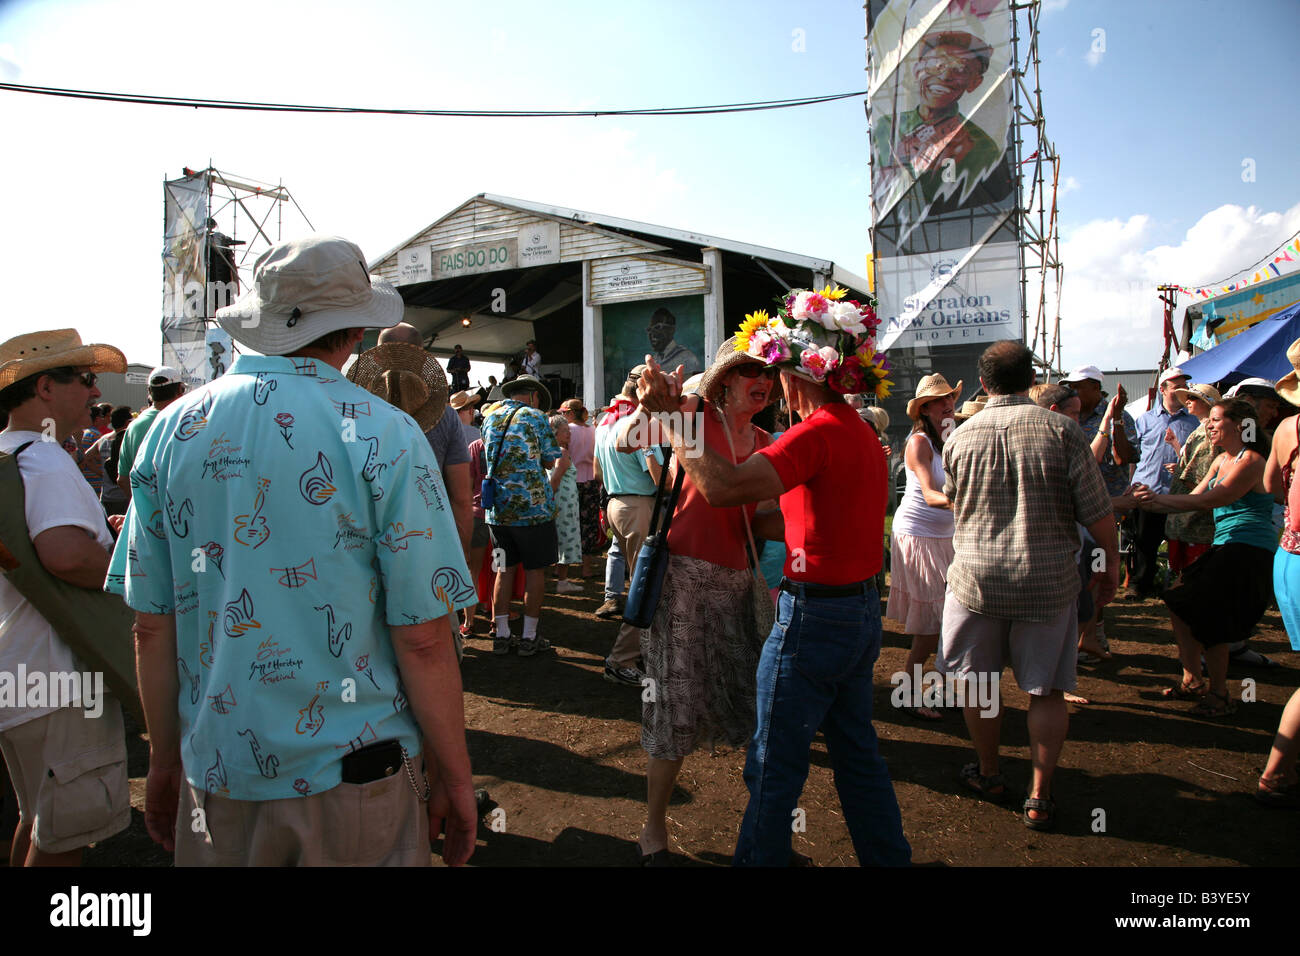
x=558, y=749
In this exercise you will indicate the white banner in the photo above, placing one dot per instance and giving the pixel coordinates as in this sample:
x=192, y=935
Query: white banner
x=954, y=297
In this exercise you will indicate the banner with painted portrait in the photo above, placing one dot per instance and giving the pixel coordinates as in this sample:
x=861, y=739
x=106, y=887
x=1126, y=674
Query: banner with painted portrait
x=940, y=107
x=672, y=330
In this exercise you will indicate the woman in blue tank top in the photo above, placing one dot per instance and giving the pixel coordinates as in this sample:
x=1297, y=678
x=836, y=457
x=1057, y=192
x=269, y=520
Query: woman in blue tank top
x=1224, y=593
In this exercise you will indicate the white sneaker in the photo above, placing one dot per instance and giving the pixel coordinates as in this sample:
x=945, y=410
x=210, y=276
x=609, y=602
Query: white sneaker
x=567, y=587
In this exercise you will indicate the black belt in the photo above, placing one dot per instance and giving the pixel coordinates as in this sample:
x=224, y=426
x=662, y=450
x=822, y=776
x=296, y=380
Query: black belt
x=822, y=591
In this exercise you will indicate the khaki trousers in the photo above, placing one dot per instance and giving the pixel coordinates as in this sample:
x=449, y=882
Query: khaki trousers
x=629, y=516
x=381, y=823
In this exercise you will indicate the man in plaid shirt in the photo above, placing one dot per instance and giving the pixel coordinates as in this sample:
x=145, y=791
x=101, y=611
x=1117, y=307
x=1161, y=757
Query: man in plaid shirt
x=1022, y=481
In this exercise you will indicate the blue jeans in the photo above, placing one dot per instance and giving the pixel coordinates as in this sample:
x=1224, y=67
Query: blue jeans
x=815, y=673
x=615, y=569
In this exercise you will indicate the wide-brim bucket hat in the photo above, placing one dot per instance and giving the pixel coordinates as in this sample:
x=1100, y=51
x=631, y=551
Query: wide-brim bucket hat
x=306, y=288
x=527, y=383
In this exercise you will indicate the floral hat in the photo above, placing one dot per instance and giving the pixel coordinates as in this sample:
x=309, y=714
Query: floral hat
x=823, y=337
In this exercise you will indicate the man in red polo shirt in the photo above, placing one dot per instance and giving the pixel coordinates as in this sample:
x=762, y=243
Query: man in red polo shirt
x=816, y=667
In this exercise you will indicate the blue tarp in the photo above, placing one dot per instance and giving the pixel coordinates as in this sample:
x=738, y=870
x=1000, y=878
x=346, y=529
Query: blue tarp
x=1260, y=351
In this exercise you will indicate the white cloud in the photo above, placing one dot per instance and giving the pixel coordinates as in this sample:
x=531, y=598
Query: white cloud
x=1070, y=185
x=1052, y=6
x=1093, y=56
x=10, y=70
x=1110, y=313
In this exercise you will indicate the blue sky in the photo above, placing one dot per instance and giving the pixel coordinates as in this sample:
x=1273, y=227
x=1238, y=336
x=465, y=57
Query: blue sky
x=1153, y=132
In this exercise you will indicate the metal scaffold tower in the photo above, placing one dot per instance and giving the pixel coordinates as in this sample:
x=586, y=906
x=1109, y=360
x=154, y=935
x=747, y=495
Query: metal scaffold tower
x=1039, y=168
x=215, y=226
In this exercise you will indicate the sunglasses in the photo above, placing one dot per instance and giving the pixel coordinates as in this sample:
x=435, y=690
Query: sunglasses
x=751, y=370
x=65, y=375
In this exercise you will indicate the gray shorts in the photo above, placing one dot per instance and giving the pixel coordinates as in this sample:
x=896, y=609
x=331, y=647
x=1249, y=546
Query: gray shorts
x=1043, y=655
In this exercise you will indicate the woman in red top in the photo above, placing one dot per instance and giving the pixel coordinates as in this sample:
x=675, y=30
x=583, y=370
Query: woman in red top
x=701, y=651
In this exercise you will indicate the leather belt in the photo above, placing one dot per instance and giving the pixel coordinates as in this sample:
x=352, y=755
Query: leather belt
x=824, y=591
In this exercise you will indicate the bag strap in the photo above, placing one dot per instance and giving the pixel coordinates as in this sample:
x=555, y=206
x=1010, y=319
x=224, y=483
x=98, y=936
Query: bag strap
x=749, y=532
x=501, y=445
x=668, y=508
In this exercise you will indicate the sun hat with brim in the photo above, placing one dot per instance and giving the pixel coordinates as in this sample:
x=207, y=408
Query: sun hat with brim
x=1206, y=393
x=710, y=386
x=306, y=288
x=35, y=352
x=971, y=408
x=823, y=337
x=526, y=383
x=929, y=388
x=461, y=399
x=879, y=417
x=692, y=385
x=1288, y=386
x=405, y=376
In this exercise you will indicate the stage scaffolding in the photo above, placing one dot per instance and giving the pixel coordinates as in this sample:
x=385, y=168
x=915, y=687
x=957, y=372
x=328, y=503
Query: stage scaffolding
x=215, y=226
x=1039, y=169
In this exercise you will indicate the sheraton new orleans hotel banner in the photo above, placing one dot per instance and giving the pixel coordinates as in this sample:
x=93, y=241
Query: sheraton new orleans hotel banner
x=942, y=183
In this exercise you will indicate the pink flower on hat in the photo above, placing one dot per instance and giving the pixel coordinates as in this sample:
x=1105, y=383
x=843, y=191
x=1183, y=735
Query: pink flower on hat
x=819, y=362
x=810, y=305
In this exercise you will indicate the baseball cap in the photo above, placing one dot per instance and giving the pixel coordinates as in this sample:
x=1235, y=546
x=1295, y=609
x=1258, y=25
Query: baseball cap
x=1171, y=372
x=1248, y=382
x=1084, y=372
x=164, y=375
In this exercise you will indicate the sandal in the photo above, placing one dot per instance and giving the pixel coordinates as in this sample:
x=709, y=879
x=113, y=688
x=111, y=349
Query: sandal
x=922, y=714
x=1185, y=691
x=983, y=786
x=1214, y=705
x=1280, y=796
x=1045, y=805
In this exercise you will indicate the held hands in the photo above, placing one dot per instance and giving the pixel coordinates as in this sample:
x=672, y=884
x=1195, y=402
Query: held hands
x=658, y=391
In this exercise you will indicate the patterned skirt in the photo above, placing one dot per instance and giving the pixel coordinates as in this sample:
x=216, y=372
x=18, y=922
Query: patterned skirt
x=593, y=539
x=702, y=652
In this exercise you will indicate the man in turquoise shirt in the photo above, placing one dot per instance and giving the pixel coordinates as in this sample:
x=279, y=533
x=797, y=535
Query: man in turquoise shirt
x=630, y=482
x=293, y=561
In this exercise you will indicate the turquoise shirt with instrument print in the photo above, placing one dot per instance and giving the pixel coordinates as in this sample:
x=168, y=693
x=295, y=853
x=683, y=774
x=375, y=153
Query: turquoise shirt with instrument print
x=287, y=519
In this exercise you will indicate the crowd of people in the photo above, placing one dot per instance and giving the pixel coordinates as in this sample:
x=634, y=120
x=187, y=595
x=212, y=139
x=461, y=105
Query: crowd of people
x=306, y=549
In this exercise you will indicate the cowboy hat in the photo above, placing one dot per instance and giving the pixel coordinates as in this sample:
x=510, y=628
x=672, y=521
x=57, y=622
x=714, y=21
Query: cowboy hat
x=1287, y=386
x=522, y=383
x=710, y=386
x=405, y=376
x=972, y=407
x=1206, y=393
x=35, y=352
x=931, y=387
x=306, y=288
x=461, y=399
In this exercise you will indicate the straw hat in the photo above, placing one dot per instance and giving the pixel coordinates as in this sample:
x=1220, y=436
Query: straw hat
x=1206, y=393
x=306, y=288
x=710, y=385
x=969, y=409
x=406, y=376
x=522, y=383
x=34, y=352
x=931, y=387
x=461, y=399
x=879, y=417
x=1287, y=386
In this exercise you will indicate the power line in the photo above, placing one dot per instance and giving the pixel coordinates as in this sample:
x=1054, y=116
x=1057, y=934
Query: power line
x=194, y=103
